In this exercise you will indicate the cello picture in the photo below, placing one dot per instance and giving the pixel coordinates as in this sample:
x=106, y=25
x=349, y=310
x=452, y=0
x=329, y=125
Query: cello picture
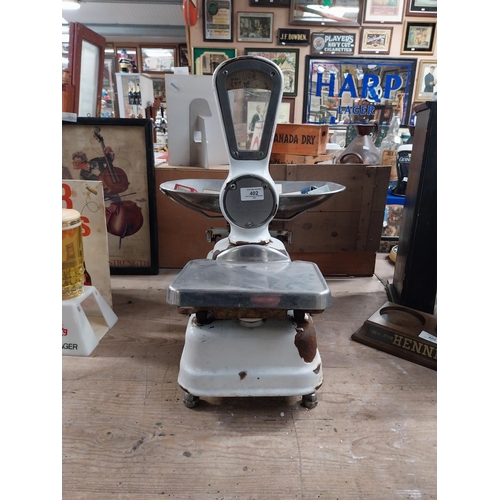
x=123, y=218
x=114, y=180
x=115, y=157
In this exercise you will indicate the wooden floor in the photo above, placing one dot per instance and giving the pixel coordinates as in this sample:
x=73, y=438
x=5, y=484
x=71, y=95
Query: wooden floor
x=127, y=435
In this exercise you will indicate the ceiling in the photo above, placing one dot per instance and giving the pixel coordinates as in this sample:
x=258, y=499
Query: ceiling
x=158, y=21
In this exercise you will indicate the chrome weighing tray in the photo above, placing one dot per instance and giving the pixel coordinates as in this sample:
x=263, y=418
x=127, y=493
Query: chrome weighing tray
x=291, y=201
x=285, y=285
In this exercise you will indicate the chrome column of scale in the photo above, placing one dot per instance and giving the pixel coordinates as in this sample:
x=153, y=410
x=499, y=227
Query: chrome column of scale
x=246, y=87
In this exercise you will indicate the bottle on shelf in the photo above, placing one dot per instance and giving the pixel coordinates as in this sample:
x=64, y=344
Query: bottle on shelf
x=130, y=94
x=138, y=94
x=389, y=148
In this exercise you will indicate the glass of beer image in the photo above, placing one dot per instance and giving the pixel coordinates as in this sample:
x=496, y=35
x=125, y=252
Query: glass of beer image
x=72, y=254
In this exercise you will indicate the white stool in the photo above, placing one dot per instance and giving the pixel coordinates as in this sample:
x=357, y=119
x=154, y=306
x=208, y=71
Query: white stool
x=85, y=321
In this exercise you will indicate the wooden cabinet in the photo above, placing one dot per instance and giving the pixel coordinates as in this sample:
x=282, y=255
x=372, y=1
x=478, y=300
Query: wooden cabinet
x=341, y=236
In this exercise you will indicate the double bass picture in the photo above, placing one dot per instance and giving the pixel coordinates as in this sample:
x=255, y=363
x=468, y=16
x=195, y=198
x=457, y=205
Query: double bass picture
x=118, y=153
x=123, y=217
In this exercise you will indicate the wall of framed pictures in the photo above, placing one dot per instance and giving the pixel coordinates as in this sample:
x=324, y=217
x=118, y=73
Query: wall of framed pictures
x=371, y=29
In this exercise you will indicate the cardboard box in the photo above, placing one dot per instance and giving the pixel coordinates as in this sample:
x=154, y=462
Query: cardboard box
x=300, y=139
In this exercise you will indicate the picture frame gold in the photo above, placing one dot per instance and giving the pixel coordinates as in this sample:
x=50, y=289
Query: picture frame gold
x=375, y=40
x=425, y=89
x=418, y=37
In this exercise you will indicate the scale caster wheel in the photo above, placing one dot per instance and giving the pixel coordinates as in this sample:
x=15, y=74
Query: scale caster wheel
x=190, y=401
x=310, y=401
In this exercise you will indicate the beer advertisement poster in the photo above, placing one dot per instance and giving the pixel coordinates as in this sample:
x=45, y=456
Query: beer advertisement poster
x=88, y=198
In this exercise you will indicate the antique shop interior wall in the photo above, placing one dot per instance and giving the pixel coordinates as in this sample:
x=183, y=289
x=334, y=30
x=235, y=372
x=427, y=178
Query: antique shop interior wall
x=281, y=20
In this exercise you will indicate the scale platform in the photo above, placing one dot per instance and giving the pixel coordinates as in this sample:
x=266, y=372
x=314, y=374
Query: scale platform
x=241, y=286
x=403, y=332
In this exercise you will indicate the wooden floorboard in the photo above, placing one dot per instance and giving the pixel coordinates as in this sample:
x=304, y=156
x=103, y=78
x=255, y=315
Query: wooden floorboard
x=127, y=435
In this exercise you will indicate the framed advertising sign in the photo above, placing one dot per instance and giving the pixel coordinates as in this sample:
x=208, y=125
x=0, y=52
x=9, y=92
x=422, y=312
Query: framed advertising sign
x=349, y=90
x=217, y=20
x=375, y=40
x=333, y=43
x=87, y=197
x=119, y=153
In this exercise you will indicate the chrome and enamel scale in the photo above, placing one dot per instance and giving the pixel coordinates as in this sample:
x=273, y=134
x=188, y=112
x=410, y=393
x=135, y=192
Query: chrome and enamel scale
x=250, y=330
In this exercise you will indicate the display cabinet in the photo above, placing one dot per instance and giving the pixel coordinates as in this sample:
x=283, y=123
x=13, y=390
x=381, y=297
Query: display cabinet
x=109, y=104
x=135, y=94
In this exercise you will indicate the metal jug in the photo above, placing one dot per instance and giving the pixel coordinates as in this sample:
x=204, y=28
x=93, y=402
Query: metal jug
x=362, y=148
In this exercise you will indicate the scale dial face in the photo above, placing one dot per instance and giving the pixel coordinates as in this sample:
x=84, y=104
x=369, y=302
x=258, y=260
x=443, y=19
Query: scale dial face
x=249, y=79
x=249, y=90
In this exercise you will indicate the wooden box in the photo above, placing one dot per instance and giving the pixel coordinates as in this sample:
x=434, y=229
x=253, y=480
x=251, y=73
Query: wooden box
x=341, y=236
x=300, y=139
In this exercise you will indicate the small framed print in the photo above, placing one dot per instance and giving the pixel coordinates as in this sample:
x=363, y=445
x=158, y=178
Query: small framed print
x=421, y=8
x=217, y=20
x=382, y=11
x=255, y=27
x=418, y=37
x=206, y=59
x=286, y=111
x=375, y=40
x=287, y=60
x=426, y=80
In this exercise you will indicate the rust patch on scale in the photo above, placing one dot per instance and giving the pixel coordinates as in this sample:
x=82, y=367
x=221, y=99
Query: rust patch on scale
x=305, y=340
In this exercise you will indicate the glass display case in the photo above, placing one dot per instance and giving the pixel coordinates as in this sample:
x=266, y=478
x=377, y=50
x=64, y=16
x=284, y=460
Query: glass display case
x=135, y=94
x=109, y=105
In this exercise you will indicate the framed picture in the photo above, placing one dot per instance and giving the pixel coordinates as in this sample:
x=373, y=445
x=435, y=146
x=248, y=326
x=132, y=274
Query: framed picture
x=269, y=3
x=255, y=27
x=375, y=40
x=217, y=20
x=183, y=55
x=426, y=80
x=288, y=61
x=119, y=153
x=205, y=60
x=316, y=14
x=421, y=8
x=383, y=11
x=418, y=37
x=349, y=90
x=158, y=59
x=286, y=110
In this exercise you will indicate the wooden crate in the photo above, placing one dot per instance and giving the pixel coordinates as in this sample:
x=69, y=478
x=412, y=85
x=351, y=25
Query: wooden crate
x=341, y=236
x=306, y=159
x=300, y=139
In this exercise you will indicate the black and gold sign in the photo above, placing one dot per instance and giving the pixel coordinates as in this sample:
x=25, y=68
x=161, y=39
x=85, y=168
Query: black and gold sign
x=293, y=36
